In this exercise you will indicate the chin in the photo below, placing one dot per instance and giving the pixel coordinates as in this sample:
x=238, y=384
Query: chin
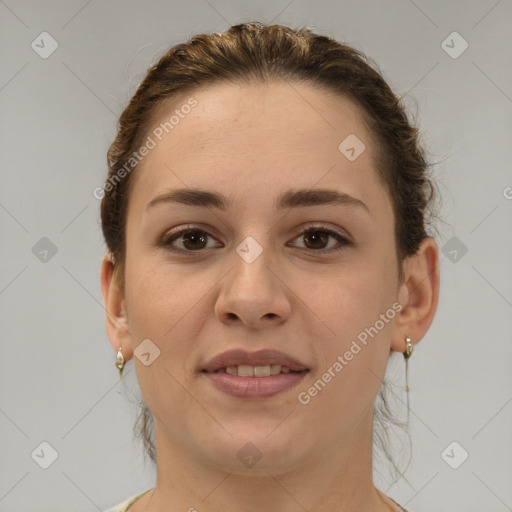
x=253, y=451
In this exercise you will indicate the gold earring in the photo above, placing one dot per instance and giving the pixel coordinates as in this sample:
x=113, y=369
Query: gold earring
x=120, y=363
x=409, y=347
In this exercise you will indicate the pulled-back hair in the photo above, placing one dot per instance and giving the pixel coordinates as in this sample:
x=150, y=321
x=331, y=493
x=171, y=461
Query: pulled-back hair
x=256, y=52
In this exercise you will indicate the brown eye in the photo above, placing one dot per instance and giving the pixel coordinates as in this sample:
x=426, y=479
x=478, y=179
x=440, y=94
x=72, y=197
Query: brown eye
x=194, y=240
x=190, y=240
x=316, y=239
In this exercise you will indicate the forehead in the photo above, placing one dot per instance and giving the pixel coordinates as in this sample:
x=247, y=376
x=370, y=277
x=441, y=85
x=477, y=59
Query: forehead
x=284, y=134
x=226, y=113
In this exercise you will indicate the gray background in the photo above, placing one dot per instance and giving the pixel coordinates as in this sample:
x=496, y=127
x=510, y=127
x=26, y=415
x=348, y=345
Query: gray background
x=58, y=382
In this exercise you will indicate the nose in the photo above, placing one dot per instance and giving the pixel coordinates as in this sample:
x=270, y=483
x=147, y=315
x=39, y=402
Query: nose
x=254, y=294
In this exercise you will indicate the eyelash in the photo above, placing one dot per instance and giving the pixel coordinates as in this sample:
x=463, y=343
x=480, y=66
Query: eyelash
x=167, y=240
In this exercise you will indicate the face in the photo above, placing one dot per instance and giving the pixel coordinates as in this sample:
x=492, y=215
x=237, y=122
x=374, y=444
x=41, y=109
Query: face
x=311, y=275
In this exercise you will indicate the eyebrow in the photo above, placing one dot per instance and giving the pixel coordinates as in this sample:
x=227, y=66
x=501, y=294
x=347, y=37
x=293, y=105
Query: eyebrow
x=289, y=199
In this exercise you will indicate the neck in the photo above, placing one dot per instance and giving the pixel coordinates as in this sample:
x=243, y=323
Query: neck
x=338, y=479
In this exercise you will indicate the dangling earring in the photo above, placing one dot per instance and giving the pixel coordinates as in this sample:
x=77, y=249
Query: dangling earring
x=120, y=363
x=409, y=347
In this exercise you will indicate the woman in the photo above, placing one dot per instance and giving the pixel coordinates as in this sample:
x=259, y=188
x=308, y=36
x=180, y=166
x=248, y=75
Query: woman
x=265, y=218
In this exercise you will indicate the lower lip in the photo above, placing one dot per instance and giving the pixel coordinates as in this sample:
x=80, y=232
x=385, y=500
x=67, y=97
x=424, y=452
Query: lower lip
x=255, y=387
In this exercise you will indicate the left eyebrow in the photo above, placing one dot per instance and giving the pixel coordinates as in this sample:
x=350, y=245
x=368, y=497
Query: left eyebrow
x=289, y=199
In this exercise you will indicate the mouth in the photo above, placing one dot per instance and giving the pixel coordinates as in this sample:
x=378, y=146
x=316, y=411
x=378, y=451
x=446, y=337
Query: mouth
x=254, y=375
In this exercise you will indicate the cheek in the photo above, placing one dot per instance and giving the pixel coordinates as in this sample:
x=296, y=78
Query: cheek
x=165, y=310
x=348, y=308
x=355, y=313
x=165, y=306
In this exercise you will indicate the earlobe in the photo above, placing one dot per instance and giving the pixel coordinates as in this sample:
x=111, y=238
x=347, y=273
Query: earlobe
x=115, y=308
x=419, y=295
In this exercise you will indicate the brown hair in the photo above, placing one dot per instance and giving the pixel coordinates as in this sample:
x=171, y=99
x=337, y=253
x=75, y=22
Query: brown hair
x=252, y=52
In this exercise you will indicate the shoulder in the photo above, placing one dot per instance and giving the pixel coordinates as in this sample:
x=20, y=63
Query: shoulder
x=122, y=507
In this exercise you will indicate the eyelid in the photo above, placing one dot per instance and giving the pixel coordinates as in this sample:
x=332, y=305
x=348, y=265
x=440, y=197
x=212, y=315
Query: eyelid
x=304, y=228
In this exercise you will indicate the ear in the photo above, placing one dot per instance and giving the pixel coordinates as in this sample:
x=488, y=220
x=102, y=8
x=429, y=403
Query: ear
x=418, y=295
x=115, y=308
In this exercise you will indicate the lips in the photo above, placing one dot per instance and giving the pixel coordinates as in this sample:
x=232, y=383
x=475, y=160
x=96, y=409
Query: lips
x=265, y=357
x=254, y=375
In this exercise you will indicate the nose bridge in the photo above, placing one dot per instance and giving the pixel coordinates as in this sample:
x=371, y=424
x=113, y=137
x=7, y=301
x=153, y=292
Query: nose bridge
x=252, y=260
x=250, y=250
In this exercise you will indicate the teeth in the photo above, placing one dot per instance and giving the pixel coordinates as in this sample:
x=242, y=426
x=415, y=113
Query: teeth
x=245, y=370
x=276, y=368
x=261, y=371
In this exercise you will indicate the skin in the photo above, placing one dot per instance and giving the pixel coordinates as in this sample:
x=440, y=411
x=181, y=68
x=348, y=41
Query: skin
x=252, y=143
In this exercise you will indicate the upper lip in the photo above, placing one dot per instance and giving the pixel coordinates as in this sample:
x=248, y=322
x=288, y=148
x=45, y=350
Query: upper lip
x=262, y=357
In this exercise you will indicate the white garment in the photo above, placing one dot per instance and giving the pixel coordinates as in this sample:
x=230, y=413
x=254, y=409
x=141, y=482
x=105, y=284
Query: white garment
x=121, y=507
